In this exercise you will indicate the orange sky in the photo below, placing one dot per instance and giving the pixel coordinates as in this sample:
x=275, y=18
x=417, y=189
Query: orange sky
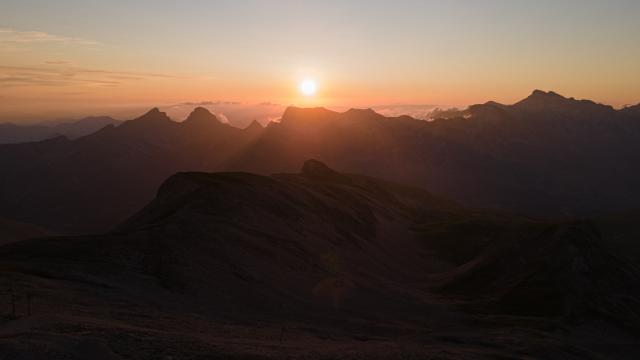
x=76, y=58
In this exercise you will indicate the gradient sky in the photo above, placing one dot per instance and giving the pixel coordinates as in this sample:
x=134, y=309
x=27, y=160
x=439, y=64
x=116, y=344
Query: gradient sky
x=72, y=58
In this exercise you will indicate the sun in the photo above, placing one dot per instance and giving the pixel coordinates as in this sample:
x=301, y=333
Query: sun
x=308, y=87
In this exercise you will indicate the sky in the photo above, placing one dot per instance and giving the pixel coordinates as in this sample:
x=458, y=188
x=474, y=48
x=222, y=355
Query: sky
x=69, y=58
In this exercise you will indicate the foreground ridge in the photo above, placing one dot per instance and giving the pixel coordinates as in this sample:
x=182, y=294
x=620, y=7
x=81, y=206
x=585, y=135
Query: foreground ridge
x=296, y=259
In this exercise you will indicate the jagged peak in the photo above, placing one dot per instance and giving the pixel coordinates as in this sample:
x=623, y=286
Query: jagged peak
x=151, y=119
x=154, y=114
x=544, y=99
x=316, y=168
x=488, y=106
x=547, y=94
x=494, y=103
x=254, y=125
x=201, y=115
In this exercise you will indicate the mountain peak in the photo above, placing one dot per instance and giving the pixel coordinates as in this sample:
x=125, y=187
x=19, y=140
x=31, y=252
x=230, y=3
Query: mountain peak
x=152, y=119
x=549, y=100
x=254, y=126
x=201, y=116
x=359, y=114
x=307, y=114
x=545, y=94
x=316, y=169
x=539, y=98
x=154, y=114
x=200, y=110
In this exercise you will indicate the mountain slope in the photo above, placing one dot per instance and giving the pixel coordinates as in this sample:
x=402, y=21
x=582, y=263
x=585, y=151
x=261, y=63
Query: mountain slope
x=11, y=133
x=91, y=183
x=547, y=155
x=326, y=261
x=11, y=231
x=575, y=154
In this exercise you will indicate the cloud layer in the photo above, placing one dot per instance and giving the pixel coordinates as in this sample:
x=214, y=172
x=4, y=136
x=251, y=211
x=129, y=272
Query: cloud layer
x=418, y=111
x=13, y=36
x=14, y=76
x=235, y=113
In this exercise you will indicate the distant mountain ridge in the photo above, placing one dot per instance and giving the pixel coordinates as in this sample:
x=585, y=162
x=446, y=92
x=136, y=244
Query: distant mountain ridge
x=11, y=231
x=12, y=133
x=546, y=155
x=93, y=182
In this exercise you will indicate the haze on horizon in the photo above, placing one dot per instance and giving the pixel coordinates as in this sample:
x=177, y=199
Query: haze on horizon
x=73, y=58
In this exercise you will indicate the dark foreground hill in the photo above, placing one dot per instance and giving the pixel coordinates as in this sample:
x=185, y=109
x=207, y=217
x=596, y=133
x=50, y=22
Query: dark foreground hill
x=546, y=155
x=322, y=265
x=11, y=231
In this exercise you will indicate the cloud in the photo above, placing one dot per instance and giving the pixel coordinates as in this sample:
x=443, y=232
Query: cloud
x=13, y=36
x=269, y=103
x=233, y=112
x=418, y=111
x=206, y=103
x=222, y=117
x=14, y=76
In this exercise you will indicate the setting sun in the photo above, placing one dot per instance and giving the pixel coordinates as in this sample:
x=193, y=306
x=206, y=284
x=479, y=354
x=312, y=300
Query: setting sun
x=308, y=87
x=322, y=179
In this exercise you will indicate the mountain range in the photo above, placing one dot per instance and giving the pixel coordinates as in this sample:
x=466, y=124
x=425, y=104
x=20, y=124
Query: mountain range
x=11, y=133
x=546, y=155
x=323, y=264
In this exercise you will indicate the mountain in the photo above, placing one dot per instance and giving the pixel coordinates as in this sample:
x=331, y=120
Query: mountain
x=633, y=110
x=11, y=133
x=91, y=183
x=541, y=101
x=254, y=126
x=546, y=155
x=575, y=154
x=323, y=264
x=11, y=231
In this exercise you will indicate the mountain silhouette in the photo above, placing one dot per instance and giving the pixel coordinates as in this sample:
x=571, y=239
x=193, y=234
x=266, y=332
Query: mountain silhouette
x=201, y=117
x=11, y=231
x=11, y=133
x=254, y=126
x=551, y=102
x=323, y=254
x=546, y=155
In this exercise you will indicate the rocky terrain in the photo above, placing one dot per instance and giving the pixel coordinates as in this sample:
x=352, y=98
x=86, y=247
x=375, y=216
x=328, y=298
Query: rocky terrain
x=322, y=264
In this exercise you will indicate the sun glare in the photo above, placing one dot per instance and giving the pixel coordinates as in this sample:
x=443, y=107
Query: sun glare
x=308, y=87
